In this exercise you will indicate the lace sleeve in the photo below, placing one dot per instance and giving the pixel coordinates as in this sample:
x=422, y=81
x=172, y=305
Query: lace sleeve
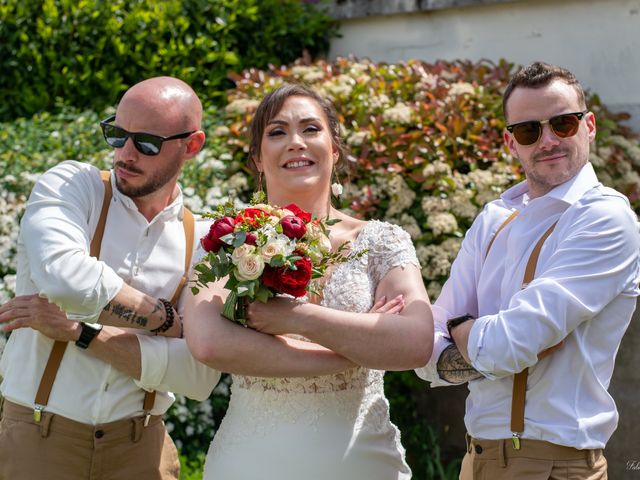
x=390, y=246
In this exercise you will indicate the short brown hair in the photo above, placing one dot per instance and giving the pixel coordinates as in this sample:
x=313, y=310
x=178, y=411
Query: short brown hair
x=272, y=103
x=540, y=74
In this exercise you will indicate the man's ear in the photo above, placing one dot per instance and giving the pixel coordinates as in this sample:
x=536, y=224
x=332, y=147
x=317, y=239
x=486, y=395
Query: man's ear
x=195, y=143
x=509, y=142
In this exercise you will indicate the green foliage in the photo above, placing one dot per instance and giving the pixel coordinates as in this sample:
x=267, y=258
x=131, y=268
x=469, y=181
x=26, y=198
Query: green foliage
x=424, y=453
x=87, y=53
x=191, y=468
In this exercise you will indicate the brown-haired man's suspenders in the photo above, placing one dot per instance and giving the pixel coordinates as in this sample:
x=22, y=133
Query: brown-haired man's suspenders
x=58, y=349
x=520, y=379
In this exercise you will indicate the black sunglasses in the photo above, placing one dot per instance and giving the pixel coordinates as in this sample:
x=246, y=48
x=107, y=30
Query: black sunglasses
x=565, y=125
x=145, y=143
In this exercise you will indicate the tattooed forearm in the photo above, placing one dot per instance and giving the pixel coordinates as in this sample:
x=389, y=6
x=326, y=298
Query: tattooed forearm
x=126, y=314
x=453, y=368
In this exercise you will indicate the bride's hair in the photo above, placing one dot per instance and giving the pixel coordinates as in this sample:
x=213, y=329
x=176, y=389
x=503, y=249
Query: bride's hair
x=272, y=103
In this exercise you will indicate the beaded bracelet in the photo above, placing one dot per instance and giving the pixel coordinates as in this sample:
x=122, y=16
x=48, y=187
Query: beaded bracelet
x=168, y=323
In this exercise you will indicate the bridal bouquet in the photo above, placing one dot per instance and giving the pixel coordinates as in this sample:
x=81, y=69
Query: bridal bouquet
x=265, y=250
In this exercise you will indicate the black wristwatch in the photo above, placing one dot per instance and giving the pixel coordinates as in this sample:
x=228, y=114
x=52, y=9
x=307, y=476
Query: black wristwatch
x=89, y=332
x=455, y=321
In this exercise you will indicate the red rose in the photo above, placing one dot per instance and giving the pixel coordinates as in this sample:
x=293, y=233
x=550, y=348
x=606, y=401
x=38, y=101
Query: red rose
x=251, y=239
x=293, y=227
x=211, y=241
x=250, y=216
x=298, y=212
x=285, y=280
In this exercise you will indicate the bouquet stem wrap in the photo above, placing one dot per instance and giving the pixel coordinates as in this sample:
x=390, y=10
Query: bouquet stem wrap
x=235, y=308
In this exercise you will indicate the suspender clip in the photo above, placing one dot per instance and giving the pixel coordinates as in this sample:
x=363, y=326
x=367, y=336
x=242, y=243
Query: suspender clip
x=515, y=440
x=37, y=412
x=147, y=418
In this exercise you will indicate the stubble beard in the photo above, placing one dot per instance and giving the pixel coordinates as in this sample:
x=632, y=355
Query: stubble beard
x=158, y=180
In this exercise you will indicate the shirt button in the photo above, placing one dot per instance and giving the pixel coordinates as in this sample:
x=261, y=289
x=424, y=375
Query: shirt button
x=478, y=449
x=99, y=434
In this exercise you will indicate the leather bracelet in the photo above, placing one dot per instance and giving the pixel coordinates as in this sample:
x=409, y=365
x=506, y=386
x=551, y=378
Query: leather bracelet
x=168, y=323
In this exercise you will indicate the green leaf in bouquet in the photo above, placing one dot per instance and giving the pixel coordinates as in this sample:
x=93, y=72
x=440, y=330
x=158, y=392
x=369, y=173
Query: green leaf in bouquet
x=237, y=238
x=277, y=261
x=263, y=293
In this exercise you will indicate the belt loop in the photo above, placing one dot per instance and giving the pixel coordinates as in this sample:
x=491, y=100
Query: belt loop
x=502, y=461
x=45, y=422
x=136, y=429
x=1, y=406
x=591, y=458
x=467, y=439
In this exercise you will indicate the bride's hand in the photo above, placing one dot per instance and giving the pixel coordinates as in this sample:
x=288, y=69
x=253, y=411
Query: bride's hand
x=395, y=305
x=275, y=317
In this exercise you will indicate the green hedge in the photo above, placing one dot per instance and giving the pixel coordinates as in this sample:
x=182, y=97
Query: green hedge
x=86, y=53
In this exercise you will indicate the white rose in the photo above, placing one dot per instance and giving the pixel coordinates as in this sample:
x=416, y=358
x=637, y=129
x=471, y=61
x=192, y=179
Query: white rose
x=240, y=252
x=271, y=249
x=249, y=267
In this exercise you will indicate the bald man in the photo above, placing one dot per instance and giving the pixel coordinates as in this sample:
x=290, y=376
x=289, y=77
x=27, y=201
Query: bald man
x=110, y=314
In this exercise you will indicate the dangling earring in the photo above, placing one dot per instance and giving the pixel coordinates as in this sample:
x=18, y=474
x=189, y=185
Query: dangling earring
x=336, y=186
x=259, y=189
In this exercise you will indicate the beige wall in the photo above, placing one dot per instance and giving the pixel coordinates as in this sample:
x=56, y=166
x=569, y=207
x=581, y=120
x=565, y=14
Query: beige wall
x=598, y=40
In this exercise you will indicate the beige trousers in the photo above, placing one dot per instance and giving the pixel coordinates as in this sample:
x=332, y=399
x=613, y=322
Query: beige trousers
x=58, y=448
x=536, y=460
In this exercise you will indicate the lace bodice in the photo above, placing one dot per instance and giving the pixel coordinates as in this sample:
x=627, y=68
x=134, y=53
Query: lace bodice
x=351, y=287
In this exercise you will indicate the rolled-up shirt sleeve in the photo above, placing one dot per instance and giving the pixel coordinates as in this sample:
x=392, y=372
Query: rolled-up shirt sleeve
x=441, y=341
x=592, y=260
x=168, y=366
x=56, y=232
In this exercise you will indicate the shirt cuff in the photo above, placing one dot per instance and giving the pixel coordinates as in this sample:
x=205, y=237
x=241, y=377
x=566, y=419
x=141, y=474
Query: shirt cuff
x=430, y=371
x=154, y=356
x=482, y=363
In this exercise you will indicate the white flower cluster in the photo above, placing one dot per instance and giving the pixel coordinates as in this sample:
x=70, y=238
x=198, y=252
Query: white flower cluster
x=401, y=196
x=242, y=106
x=400, y=113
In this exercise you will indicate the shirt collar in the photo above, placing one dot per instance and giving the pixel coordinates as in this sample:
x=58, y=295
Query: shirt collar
x=568, y=192
x=174, y=209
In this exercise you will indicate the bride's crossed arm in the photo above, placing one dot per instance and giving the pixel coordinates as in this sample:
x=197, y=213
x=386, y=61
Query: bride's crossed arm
x=229, y=347
x=382, y=341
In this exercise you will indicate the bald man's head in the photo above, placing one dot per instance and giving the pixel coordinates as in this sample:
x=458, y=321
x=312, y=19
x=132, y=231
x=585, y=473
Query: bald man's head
x=168, y=98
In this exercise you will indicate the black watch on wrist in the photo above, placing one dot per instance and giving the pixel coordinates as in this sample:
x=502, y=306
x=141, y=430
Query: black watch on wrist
x=89, y=332
x=455, y=321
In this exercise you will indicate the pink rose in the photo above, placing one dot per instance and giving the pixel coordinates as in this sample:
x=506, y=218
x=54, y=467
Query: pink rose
x=211, y=241
x=293, y=227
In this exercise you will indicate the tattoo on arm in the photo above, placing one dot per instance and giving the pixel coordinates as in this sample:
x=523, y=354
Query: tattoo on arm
x=453, y=368
x=126, y=314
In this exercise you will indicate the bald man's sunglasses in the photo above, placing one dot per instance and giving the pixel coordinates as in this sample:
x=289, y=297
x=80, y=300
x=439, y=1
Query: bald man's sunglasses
x=145, y=143
x=564, y=126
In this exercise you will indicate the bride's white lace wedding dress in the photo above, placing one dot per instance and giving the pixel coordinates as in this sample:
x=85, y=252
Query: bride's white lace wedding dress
x=333, y=427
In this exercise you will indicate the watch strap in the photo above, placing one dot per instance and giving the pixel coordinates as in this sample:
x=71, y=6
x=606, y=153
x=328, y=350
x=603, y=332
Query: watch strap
x=88, y=333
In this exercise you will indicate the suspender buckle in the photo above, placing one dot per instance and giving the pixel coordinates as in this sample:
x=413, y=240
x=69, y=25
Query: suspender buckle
x=37, y=412
x=147, y=418
x=515, y=440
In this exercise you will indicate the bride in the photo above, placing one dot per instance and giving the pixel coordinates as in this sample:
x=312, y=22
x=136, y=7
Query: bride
x=307, y=399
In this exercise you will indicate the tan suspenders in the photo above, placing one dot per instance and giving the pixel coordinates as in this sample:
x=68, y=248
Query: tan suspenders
x=58, y=349
x=520, y=379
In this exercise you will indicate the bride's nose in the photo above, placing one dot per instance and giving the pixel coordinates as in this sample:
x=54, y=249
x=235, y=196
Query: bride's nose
x=297, y=142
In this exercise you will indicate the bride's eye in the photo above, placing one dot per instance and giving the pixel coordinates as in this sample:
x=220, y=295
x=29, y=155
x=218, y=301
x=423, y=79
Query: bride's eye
x=312, y=129
x=275, y=132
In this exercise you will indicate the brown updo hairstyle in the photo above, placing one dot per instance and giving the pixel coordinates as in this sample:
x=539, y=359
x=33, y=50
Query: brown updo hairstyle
x=271, y=105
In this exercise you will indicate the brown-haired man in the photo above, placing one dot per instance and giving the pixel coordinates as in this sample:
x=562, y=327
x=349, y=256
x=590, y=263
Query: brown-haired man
x=546, y=280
